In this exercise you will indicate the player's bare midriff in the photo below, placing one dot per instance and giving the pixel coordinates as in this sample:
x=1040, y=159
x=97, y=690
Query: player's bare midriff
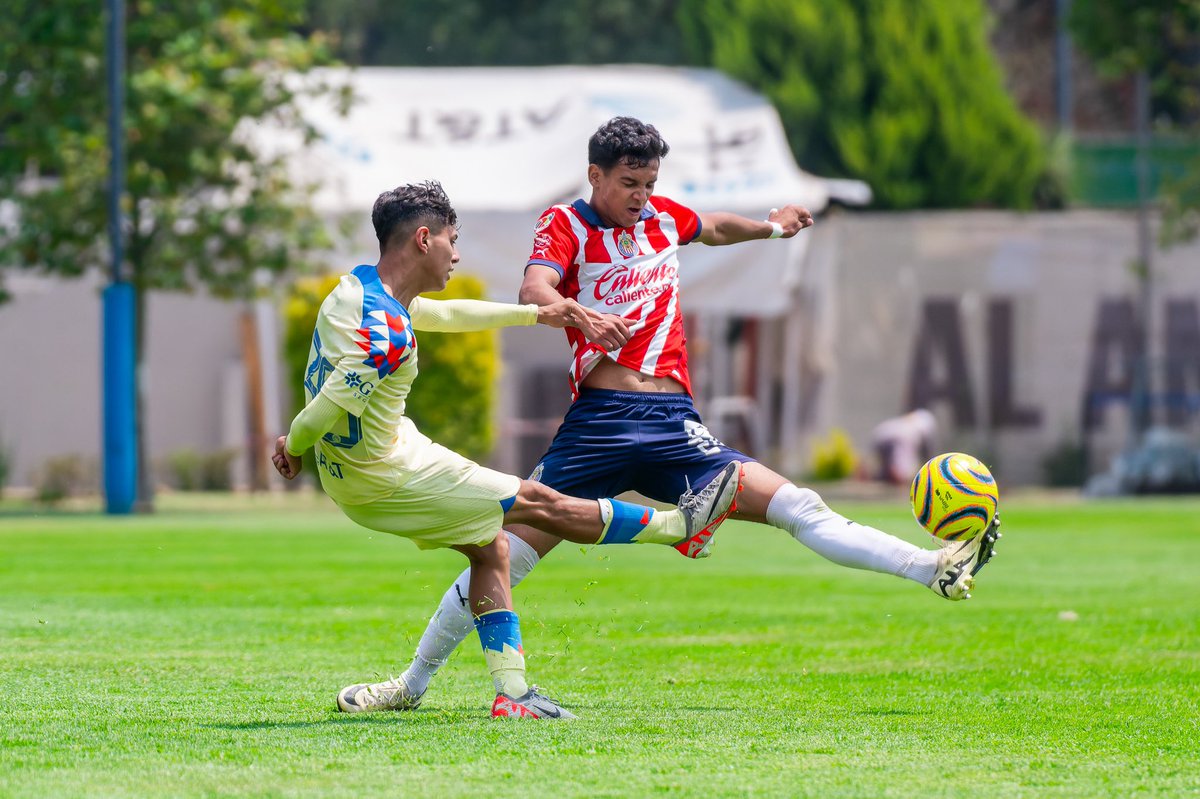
x=611, y=375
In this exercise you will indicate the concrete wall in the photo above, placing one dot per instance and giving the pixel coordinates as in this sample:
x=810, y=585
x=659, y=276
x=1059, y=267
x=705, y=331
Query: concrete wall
x=1007, y=326
x=1003, y=324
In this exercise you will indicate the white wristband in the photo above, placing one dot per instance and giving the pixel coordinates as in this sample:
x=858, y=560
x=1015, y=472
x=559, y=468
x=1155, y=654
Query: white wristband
x=776, y=229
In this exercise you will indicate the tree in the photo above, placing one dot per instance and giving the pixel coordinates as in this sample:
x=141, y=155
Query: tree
x=516, y=32
x=906, y=95
x=205, y=205
x=1160, y=39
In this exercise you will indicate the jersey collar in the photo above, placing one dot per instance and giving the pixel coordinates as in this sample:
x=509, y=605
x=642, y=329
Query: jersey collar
x=592, y=218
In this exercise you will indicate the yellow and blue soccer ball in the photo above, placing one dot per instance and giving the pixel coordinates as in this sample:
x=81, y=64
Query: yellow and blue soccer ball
x=954, y=497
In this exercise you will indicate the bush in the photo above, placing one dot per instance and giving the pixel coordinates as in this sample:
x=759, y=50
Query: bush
x=454, y=393
x=195, y=471
x=834, y=457
x=5, y=466
x=63, y=477
x=905, y=95
x=184, y=469
x=216, y=470
x=1066, y=465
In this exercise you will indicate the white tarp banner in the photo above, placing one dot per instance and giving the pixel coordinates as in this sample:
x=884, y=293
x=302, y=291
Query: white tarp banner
x=516, y=138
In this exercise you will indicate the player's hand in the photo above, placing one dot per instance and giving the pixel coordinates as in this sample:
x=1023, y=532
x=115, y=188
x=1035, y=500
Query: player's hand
x=608, y=330
x=793, y=218
x=286, y=463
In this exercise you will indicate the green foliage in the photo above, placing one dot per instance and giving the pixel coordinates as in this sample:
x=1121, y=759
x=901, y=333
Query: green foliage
x=905, y=95
x=63, y=477
x=834, y=457
x=5, y=466
x=205, y=205
x=194, y=471
x=517, y=32
x=1161, y=38
x=453, y=397
x=1066, y=465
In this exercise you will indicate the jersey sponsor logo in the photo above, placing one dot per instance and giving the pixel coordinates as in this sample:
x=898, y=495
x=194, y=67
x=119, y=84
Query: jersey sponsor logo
x=626, y=245
x=700, y=438
x=623, y=283
x=544, y=222
x=331, y=467
x=361, y=387
x=542, y=243
x=387, y=340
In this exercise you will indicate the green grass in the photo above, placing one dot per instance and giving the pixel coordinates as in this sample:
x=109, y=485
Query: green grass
x=197, y=653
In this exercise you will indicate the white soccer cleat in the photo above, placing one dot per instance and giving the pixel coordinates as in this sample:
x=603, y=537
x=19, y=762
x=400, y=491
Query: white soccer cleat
x=533, y=705
x=704, y=512
x=958, y=564
x=390, y=695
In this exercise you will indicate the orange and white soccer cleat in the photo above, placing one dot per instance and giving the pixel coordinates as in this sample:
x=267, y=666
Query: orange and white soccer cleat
x=533, y=705
x=704, y=512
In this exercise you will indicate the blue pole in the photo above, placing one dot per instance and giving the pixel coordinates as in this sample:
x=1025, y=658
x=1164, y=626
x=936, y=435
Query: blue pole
x=120, y=398
x=120, y=299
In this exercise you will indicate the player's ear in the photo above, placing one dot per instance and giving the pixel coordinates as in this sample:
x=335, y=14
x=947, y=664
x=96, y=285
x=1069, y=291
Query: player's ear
x=594, y=175
x=422, y=235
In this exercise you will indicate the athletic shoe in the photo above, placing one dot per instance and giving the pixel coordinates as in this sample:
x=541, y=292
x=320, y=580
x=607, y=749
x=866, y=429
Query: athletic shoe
x=390, y=695
x=705, y=511
x=533, y=705
x=958, y=565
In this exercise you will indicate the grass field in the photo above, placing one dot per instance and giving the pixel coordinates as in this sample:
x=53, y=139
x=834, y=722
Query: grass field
x=197, y=653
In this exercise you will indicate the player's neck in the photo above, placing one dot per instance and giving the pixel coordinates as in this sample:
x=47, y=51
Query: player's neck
x=398, y=279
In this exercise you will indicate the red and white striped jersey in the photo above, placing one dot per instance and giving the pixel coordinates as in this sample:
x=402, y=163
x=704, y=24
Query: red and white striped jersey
x=632, y=272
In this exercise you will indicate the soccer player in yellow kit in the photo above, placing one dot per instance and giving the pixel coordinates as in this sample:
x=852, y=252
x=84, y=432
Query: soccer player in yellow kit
x=385, y=475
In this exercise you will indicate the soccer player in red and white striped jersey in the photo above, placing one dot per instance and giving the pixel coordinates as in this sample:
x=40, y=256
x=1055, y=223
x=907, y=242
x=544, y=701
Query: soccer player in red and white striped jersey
x=632, y=425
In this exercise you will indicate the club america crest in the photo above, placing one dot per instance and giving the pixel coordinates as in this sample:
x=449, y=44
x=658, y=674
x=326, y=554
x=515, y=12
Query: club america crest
x=626, y=245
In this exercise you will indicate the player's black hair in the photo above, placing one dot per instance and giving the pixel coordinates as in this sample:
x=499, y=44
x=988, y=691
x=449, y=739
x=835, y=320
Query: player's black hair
x=397, y=213
x=625, y=140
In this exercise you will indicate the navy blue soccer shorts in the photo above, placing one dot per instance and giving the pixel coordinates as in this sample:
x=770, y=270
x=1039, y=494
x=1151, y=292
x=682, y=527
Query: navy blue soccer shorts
x=616, y=441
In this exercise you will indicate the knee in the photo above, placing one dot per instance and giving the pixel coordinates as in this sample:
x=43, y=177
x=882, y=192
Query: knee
x=791, y=500
x=489, y=555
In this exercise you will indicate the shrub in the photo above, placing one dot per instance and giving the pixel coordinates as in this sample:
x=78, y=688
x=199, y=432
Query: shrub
x=184, y=469
x=63, y=477
x=834, y=457
x=1066, y=465
x=216, y=470
x=5, y=466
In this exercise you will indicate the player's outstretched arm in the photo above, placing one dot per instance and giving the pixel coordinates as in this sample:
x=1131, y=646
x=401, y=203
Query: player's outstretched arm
x=722, y=227
x=608, y=330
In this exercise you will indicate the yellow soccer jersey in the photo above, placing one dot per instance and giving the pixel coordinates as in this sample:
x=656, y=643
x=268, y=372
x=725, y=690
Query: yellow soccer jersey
x=364, y=359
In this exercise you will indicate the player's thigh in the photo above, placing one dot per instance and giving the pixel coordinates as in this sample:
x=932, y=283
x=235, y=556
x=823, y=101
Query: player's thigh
x=678, y=453
x=759, y=485
x=450, y=501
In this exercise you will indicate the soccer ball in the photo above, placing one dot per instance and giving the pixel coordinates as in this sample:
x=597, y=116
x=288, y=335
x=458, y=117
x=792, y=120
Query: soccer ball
x=954, y=497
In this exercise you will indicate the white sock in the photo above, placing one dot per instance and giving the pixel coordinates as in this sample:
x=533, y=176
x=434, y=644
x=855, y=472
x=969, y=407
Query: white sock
x=452, y=622
x=801, y=512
